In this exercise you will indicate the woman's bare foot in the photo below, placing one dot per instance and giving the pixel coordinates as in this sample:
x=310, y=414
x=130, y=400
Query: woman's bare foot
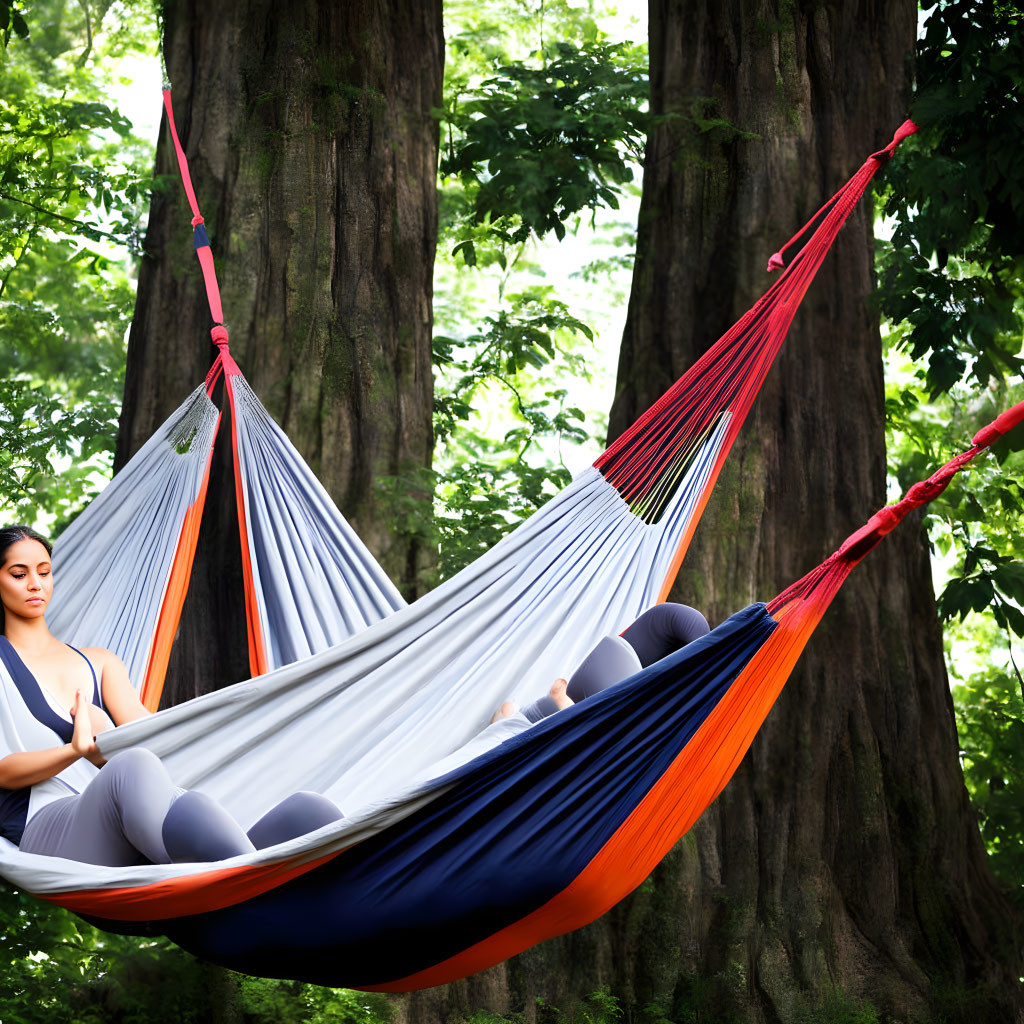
x=505, y=711
x=558, y=695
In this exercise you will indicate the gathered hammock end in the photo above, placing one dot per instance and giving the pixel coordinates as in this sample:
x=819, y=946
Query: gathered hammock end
x=853, y=189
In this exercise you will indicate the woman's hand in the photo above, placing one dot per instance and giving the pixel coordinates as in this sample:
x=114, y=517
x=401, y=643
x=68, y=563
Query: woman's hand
x=27, y=767
x=100, y=720
x=83, y=738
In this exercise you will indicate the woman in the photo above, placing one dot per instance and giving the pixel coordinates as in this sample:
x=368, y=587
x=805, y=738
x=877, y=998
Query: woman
x=57, y=794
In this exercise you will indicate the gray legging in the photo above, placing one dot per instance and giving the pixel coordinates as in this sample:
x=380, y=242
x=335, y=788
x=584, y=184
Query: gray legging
x=663, y=629
x=132, y=813
x=655, y=634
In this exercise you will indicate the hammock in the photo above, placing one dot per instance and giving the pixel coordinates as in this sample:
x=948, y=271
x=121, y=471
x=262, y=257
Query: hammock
x=125, y=562
x=440, y=869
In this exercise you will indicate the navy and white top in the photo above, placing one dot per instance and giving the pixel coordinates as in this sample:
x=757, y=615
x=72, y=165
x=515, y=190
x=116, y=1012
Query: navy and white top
x=31, y=706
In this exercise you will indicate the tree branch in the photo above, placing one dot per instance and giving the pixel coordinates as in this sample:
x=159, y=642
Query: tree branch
x=88, y=32
x=60, y=216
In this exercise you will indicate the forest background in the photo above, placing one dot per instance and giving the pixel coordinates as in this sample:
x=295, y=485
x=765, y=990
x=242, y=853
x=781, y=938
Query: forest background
x=514, y=411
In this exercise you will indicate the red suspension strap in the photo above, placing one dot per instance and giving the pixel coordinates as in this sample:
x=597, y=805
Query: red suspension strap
x=646, y=461
x=851, y=190
x=219, y=333
x=820, y=585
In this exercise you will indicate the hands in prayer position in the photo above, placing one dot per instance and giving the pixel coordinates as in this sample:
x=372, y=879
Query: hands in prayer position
x=88, y=721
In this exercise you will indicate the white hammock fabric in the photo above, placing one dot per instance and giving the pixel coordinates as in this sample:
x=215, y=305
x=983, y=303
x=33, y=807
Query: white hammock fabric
x=315, y=582
x=364, y=721
x=115, y=559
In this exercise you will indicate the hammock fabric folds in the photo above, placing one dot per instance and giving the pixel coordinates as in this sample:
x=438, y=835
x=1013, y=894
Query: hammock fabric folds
x=125, y=562
x=423, y=903
x=536, y=837
x=457, y=850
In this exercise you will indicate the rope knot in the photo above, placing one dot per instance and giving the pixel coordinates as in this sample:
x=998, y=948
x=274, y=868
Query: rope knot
x=197, y=220
x=219, y=334
x=924, y=491
x=906, y=129
x=885, y=520
x=775, y=262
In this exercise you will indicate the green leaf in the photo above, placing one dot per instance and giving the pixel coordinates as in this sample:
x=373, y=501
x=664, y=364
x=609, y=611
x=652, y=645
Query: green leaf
x=1009, y=578
x=468, y=252
x=1014, y=618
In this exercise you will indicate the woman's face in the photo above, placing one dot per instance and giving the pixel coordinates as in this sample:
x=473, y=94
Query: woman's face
x=26, y=583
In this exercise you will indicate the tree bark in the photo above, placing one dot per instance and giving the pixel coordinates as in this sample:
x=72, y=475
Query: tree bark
x=313, y=151
x=844, y=854
x=842, y=864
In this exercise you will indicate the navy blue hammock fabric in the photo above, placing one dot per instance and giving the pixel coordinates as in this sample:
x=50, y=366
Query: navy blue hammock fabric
x=512, y=833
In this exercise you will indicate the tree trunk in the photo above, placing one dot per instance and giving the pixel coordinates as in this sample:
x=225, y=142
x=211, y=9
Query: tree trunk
x=313, y=150
x=844, y=856
x=843, y=862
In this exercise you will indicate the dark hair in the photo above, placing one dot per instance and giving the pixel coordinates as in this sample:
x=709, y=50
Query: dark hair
x=11, y=535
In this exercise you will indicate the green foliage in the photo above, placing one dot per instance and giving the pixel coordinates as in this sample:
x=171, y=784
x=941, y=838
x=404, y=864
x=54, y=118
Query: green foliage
x=484, y=494
x=536, y=133
x=56, y=968
x=11, y=22
x=975, y=527
x=534, y=145
x=529, y=335
x=52, y=176
x=71, y=178
x=954, y=269
x=977, y=521
x=59, y=970
x=266, y=1000
x=990, y=722
x=40, y=424
x=542, y=116
x=989, y=581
